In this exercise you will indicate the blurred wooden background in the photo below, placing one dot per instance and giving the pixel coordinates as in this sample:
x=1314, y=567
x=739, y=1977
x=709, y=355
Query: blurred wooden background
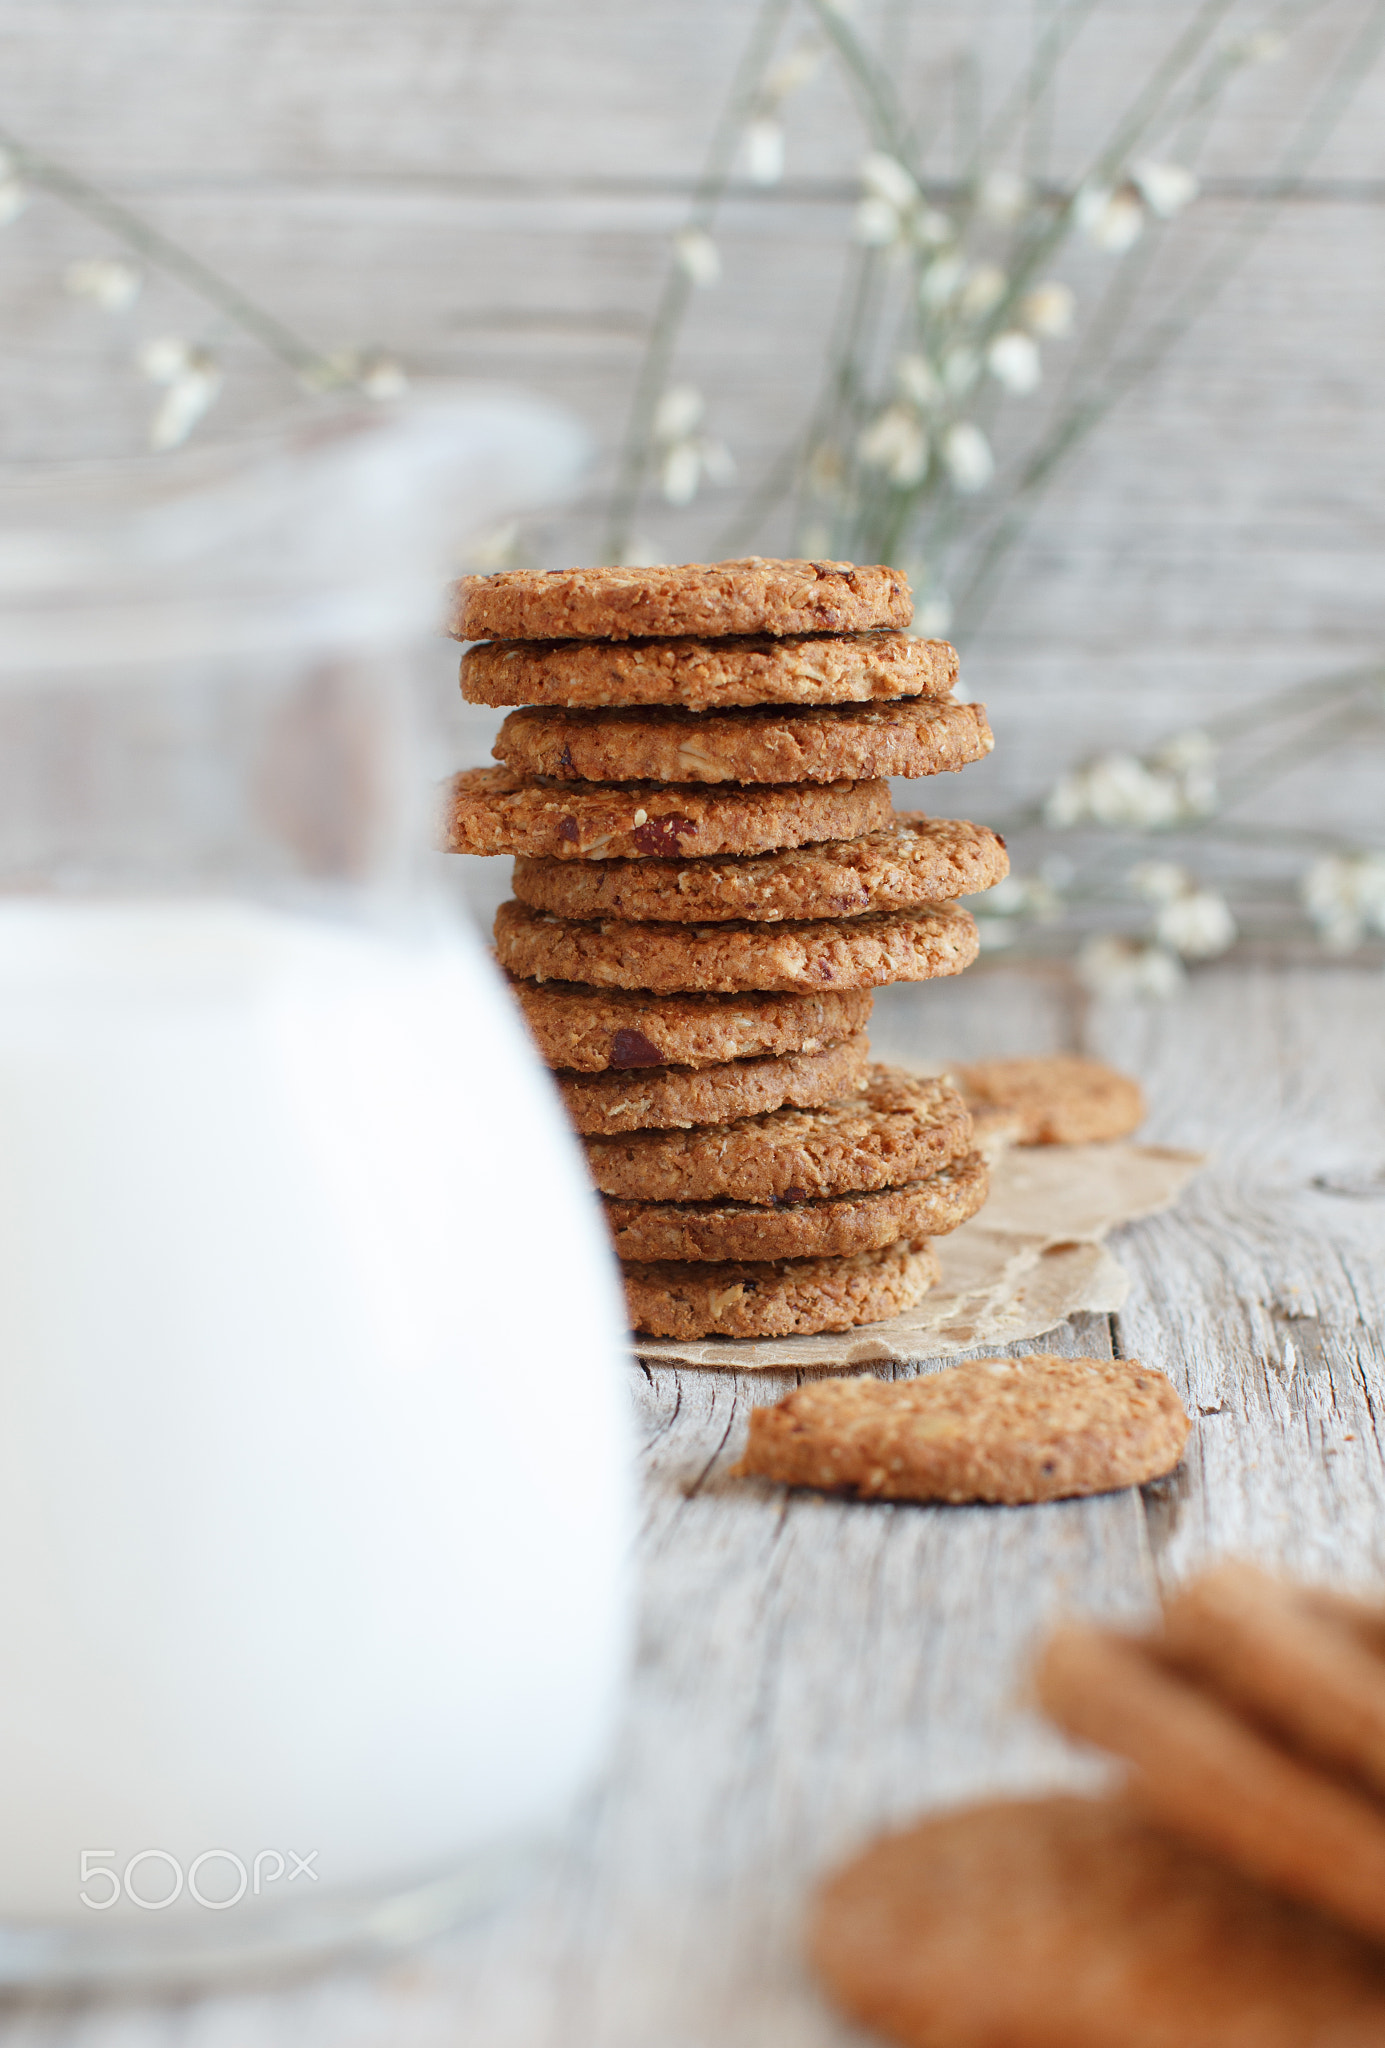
x=488, y=188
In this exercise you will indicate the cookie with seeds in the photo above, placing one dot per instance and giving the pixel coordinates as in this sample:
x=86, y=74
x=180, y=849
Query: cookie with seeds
x=859, y=952
x=1059, y=1098
x=777, y=1297
x=589, y=1030
x=915, y=860
x=753, y=595
x=709, y=675
x=899, y=1128
x=669, y=1098
x=1218, y=1778
x=997, y=1429
x=845, y=741
x=493, y=811
x=1072, y=1923
x=832, y=1227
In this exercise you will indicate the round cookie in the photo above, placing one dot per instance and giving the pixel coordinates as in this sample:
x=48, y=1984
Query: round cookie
x=709, y=675
x=915, y=860
x=753, y=595
x=859, y=952
x=777, y=1297
x=994, y=1429
x=840, y=742
x=1059, y=1098
x=492, y=811
x=1071, y=1923
x=899, y=1128
x=1216, y=1779
x=589, y=1029
x=676, y=1098
x=831, y=1228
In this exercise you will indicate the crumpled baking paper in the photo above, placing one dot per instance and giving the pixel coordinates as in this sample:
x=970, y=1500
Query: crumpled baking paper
x=1033, y=1257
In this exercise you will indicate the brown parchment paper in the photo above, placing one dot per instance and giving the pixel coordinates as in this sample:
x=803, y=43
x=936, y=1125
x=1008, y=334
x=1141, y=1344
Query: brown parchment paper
x=1032, y=1258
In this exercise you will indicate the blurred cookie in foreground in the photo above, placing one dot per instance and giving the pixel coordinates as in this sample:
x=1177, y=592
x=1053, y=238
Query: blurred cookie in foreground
x=1073, y=1923
x=1253, y=1721
x=1058, y=1098
x=1007, y=1430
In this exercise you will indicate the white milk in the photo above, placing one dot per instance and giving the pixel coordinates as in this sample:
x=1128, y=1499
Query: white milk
x=312, y=1474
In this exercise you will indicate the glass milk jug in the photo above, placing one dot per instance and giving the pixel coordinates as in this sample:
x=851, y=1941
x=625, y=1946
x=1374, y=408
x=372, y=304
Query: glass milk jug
x=313, y=1487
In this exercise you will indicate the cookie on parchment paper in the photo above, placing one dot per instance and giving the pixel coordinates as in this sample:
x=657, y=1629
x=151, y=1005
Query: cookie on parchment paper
x=666, y=1098
x=1059, y=1098
x=917, y=860
x=709, y=675
x=828, y=1228
x=1217, y=1777
x=777, y=1297
x=997, y=1429
x=844, y=742
x=899, y=1128
x=590, y=1030
x=753, y=595
x=867, y=951
x=492, y=811
x=1072, y=1923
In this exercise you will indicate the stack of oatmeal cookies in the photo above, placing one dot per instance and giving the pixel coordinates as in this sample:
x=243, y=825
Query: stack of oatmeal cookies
x=710, y=881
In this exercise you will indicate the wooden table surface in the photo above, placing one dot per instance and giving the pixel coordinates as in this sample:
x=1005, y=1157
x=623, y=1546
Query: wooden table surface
x=810, y=1670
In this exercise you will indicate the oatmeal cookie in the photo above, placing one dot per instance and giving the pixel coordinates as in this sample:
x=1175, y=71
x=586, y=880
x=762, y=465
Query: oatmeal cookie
x=676, y=1098
x=777, y=1297
x=589, y=1030
x=1059, y=1099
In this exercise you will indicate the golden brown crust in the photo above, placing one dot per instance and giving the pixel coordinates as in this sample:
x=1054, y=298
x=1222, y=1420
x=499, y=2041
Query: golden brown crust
x=492, y=811
x=676, y=1098
x=916, y=860
x=841, y=742
x=861, y=952
x=754, y=595
x=998, y=1429
x=709, y=675
x=1060, y=1099
x=1216, y=1779
x=899, y=1128
x=1071, y=1923
x=777, y=1298
x=589, y=1030
x=832, y=1228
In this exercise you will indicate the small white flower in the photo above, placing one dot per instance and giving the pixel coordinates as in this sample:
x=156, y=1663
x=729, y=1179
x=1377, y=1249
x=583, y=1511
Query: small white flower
x=1003, y=196
x=1344, y=894
x=932, y=616
x=107, y=280
x=932, y=228
x=14, y=197
x=1191, y=749
x=678, y=412
x=798, y=69
x=1265, y=46
x=697, y=255
x=1048, y=310
x=877, y=223
x=1198, y=924
x=1013, y=360
x=718, y=463
x=884, y=177
x=940, y=281
x=166, y=357
x=917, y=380
x=191, y=392
x=983, y=291
x=681, y=472
x=967, y=453
x=960, y=368
x=382, y=378
x=1123, y=968
x=896, y=442
x=764, y=151
x=495, y=549
x=1113, y=221
x=1160, y=881
x=643, y=553
x=1165, y=188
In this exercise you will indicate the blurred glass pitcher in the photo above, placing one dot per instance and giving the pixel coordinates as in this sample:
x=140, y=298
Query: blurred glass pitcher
x=313, y=1489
